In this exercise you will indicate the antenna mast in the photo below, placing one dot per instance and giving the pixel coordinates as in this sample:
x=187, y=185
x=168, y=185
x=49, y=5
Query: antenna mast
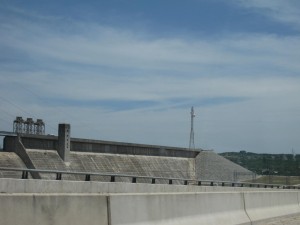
x=192, y=143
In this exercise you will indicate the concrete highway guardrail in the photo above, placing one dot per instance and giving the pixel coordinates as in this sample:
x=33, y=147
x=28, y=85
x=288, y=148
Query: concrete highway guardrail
x=207, y=208
x=264, y=205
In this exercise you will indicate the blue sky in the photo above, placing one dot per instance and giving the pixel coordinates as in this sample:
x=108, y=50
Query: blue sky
x=130, y=70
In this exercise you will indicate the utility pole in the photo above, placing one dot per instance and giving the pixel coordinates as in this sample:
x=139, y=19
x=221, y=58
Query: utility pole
x=192, y=143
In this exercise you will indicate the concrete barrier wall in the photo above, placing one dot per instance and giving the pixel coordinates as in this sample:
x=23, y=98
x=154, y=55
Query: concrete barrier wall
x=147, y=209
x=53, y=209
x=178, y=209
x=265, y=205
x=144, y=209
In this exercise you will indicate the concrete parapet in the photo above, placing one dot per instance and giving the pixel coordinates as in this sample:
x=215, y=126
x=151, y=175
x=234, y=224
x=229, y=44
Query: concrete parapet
x=178, y=209
x=50, y=142
x=53, y=209
x=265, y=205
x=145, y=209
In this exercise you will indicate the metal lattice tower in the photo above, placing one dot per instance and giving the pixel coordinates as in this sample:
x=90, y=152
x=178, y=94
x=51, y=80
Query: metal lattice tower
x=29, y=126
x=192, y=142
x=39, y=127
x=18, y=125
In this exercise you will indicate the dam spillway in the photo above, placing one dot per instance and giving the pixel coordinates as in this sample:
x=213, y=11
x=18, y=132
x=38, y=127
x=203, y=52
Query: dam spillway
x=41, y=152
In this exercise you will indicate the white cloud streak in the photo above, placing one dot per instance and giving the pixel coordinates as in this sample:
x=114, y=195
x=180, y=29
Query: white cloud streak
x=286, y=11
x=105, y=46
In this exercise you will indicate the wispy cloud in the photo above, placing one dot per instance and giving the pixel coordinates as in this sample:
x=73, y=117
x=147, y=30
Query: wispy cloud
x=129, y=85
x=108, y=64
x=96, y=45
x=287, y=11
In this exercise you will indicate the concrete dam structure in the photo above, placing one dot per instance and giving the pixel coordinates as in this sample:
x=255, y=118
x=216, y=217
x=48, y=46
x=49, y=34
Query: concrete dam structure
x=42, y=199
x=82, y=155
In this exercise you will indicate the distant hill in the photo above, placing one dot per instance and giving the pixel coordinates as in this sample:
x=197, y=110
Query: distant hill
x=266, y=164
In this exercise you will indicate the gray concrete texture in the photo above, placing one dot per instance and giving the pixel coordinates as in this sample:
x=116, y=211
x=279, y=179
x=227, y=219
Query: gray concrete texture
x=206, y=208
x=53, y=209
x=64, y=141
x=119, y=203
x=9, y=185
x=125, y=158
x=177, y=209
x=113, y=163
x=210, y=165
x=271, y=204
x=10, y=160
x=99, y=146
x=284, y=220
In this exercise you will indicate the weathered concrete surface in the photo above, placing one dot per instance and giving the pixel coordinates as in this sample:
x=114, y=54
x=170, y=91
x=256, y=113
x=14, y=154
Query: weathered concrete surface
x=8, y=185
x=152, y=166
x=178, y=209
x=264, y=205
x=64, y=141
x=11, y=160
x=285, y=220
x=17, y=146
x=49, y=142
x=207, y=165
x=143, y=209
x=211, y=166
x=53, y=209
x=134, y=159
x=150, y=209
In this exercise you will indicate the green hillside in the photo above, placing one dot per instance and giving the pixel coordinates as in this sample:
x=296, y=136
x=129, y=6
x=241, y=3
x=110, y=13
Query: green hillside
x=266, y=164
